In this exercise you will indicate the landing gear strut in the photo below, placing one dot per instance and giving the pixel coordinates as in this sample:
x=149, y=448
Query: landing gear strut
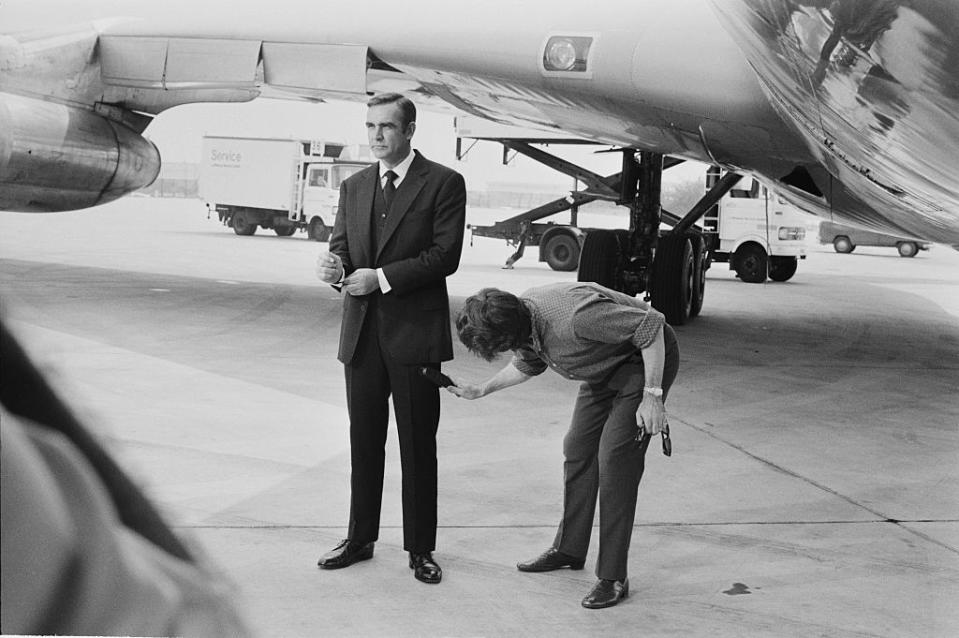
x=670, y=267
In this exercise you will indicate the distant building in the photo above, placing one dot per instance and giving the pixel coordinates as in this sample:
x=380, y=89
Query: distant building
x=176, y=179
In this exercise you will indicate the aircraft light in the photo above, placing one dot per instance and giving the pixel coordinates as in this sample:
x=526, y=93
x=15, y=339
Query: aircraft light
x=567, y=53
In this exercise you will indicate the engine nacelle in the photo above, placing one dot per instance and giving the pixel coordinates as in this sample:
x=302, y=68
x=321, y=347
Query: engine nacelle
x=55, y=157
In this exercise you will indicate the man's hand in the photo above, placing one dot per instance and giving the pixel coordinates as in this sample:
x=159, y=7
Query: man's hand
x=651, y=414
x=361, y=281
x=329, y=267
x=466, y=390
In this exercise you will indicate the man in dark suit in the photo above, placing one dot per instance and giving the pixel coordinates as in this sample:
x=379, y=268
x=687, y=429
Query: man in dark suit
x=398, y=235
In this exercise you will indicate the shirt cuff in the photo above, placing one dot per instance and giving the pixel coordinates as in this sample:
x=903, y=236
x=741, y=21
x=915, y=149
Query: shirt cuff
x=384, y=284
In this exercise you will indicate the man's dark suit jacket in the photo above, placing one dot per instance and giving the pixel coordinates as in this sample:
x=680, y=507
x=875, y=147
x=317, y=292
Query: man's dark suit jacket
x=420, y=245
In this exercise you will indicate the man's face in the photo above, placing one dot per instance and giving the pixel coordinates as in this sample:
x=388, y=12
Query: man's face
x=389, y=141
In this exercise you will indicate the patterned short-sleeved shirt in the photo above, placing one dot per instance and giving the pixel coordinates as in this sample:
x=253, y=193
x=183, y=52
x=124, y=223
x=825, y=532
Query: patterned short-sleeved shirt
x=584, y=331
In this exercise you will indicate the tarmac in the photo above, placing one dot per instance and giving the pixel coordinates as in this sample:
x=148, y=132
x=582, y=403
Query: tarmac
x=813, y=488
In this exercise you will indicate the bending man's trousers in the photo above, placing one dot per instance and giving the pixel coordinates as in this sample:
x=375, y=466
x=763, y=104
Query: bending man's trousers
x=603, y=459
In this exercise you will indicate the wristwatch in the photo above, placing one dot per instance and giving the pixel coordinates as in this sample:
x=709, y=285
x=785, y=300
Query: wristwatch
x=656, y=392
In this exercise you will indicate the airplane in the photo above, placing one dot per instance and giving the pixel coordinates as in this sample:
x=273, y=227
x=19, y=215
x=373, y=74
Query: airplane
x=847, y=108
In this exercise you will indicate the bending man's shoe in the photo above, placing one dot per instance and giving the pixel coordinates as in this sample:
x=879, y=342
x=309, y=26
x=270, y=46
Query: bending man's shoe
x=549, y=560
x=425, y=568
x=606, y=593
x=345, y=554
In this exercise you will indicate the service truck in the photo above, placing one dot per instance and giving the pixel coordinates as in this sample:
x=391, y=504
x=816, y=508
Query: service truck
x=283, y=184
x=755, y=231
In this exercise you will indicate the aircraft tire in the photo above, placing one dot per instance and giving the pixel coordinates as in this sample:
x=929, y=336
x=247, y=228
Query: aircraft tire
x=700, y=266
x=907, y=248
x=674, y=278
x=599, y=257
x=562, y=252
x=782, y=268
x=751, y=263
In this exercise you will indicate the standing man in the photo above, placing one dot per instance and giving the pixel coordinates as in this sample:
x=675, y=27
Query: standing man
x=398, y=235
x=625, y=357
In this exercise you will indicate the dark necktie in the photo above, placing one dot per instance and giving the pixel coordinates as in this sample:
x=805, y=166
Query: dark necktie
x=389, y=189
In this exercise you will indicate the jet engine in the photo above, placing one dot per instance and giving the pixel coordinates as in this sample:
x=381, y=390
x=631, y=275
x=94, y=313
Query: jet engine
x=55, y=157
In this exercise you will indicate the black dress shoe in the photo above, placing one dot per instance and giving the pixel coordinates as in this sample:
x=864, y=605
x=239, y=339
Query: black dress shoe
x=425, y=568
x=606, y=593
x=551, y=559
x=345, y=554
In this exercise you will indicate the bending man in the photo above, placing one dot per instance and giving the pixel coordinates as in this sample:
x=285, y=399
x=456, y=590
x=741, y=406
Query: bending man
x=625, y=356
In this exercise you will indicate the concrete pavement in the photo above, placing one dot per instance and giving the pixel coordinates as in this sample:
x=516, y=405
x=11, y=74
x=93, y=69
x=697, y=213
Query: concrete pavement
x=813, y=489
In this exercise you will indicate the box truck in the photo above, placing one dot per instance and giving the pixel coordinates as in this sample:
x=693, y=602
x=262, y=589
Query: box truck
x=282, y=184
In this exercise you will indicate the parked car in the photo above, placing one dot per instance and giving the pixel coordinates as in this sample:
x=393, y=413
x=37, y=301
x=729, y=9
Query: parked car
x=844, y=239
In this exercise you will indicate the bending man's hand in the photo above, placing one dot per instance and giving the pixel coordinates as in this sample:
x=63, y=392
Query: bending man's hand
x=361, y=281
x=466, y=390
x=651, y=415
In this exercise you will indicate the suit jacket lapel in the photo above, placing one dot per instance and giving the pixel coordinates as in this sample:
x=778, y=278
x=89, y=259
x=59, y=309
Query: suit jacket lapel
x=404, y=198
x=364, y=217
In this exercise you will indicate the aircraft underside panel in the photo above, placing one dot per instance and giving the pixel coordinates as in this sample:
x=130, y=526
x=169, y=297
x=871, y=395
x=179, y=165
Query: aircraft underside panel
x=873, y=86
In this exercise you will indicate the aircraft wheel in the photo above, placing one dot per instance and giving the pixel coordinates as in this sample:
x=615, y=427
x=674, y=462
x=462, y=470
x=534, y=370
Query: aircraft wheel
x=674, y=278
x=842, y=244
x=242, y=224
x=907, y=249
x=598, y=259
x=751, y=263
x=700, y=266
x=562, y=252
x=317, y=230
x=782, y=268
x=284, y=231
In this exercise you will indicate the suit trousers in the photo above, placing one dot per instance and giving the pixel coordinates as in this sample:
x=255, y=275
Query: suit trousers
x=372, y=377
x=603, y=458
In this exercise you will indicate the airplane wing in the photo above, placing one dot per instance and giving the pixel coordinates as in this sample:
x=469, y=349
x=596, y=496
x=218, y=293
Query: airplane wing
x=849, y=107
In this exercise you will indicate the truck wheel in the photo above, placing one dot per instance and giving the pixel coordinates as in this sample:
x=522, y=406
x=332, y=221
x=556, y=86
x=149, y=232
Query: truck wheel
x=782, y=268
x=700, y=265
x=284, y=231
x=242, y=224
x=907, y=249
x=598, y=259
x=751, y=263
x=674, y=278
x=562, y=252
x=317, y=230
x=841, y=244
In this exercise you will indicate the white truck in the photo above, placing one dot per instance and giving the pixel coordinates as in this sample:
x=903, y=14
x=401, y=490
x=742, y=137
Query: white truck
x=283, y=184
x=755, y=231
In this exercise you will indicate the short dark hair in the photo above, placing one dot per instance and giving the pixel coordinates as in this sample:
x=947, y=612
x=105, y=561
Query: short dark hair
x=406, y=105
x=493, y=321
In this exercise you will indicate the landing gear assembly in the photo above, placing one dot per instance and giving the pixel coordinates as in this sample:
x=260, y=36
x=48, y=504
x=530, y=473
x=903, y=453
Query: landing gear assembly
x=668, y=266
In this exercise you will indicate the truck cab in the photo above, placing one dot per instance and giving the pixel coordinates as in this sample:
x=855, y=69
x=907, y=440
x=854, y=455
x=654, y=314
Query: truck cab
x=757, y=232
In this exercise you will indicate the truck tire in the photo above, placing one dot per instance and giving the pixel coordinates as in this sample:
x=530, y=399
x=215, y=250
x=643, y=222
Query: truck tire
x=782, y=268
x=284, y=231
x=317, y=230
x=907, y=248
x=673, y=278
x=751, y=263
x=561, y=252
x=842, y=244
x=700, y=265
x=599, y=258
x=242, y=224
